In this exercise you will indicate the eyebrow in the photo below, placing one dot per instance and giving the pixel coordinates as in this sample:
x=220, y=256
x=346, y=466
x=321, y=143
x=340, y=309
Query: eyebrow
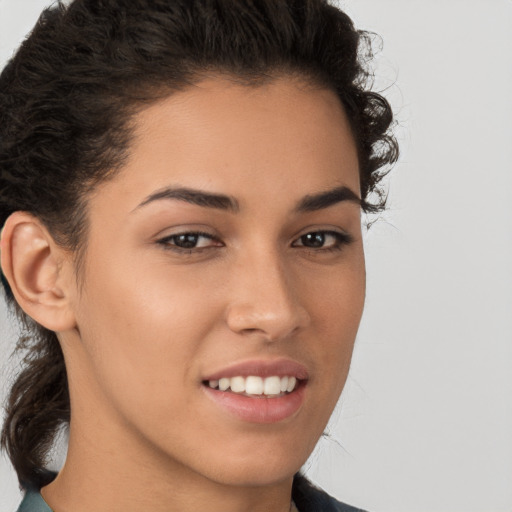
x=197, y=197
x=315, y=202
x=309, y=203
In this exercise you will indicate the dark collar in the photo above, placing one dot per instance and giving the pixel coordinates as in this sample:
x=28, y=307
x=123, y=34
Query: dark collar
x=309, y=498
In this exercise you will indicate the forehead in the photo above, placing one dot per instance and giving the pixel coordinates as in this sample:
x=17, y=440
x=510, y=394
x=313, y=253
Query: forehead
x=225, y=137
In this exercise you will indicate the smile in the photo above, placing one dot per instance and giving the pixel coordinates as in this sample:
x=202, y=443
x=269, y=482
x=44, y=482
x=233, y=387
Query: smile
x=272, y=386
x=258, y=391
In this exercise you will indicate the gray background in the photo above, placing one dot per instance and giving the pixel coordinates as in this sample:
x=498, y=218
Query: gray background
x=425, y=421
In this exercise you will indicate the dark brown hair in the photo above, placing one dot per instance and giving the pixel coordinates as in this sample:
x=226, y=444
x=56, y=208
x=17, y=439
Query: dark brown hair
x=66, y=99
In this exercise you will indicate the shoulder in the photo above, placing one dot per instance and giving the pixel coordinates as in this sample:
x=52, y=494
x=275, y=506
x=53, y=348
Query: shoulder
x=310, y=498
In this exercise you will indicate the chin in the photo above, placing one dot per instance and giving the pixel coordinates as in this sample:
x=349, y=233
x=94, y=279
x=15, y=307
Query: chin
x=266, y=468
x=252, y=476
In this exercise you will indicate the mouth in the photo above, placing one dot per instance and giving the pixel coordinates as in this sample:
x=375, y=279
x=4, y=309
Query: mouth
x=255, y=386
x=259, y=391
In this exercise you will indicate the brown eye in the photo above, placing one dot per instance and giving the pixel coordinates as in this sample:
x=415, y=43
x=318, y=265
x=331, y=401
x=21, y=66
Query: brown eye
x=323, y=240
x=186, y=241
x=313, y=240
x=189, y=241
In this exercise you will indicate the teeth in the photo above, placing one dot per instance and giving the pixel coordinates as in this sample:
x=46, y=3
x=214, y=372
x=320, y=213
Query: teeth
x=254, y=385
x=237, y=384
x=272, y=386
x=224, y=384
x=291, y=384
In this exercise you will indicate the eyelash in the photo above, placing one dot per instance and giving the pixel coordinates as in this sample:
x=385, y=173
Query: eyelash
x=341, y=240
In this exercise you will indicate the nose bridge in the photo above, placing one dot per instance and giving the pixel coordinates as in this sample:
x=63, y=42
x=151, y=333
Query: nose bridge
x=263, y=298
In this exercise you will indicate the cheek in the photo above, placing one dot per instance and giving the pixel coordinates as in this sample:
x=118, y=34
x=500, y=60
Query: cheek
x=337, y=306
x=336, y=296
x=142, y=332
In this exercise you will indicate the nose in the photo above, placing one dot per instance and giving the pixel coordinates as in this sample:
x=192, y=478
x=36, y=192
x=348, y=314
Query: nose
x=264, y=301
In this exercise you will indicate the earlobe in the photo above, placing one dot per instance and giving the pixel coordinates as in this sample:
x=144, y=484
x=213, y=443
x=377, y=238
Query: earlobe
x=38, y=272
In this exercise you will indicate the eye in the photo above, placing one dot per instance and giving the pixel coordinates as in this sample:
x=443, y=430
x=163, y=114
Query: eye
x=189, y=241
x=323, y=240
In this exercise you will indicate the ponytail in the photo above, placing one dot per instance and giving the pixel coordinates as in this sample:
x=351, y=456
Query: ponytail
x=38, y=404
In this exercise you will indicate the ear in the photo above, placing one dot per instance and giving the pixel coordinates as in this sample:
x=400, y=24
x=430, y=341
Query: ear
x=39, y=272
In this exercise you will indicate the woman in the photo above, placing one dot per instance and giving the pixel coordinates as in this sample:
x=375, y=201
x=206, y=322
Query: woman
x=181, y=190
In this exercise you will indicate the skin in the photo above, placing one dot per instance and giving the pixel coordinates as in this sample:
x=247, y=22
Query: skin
x=145, y=323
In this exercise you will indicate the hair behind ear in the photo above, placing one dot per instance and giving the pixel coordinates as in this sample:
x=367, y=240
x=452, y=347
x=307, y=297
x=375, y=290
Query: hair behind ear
x=38, y=403
x=37, y=406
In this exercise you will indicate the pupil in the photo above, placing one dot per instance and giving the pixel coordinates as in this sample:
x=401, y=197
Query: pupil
x=186, y=241
x=314, y=239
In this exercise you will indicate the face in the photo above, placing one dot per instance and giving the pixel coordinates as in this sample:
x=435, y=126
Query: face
x=223, y=282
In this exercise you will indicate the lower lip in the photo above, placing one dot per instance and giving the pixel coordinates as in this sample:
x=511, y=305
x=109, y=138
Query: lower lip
x=258, y=409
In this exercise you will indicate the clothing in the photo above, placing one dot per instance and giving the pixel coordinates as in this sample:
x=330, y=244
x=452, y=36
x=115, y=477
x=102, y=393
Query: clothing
x=306, y=496
x=309, y=498
x=33, y=502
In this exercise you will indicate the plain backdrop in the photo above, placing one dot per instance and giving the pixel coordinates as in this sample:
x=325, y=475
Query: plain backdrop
x=425, y=421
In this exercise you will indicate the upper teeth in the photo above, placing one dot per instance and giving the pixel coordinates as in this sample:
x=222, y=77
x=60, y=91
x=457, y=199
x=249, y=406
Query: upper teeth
x=254, y=385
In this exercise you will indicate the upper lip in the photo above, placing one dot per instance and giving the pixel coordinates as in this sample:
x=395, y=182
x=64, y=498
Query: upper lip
x=262, y=368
